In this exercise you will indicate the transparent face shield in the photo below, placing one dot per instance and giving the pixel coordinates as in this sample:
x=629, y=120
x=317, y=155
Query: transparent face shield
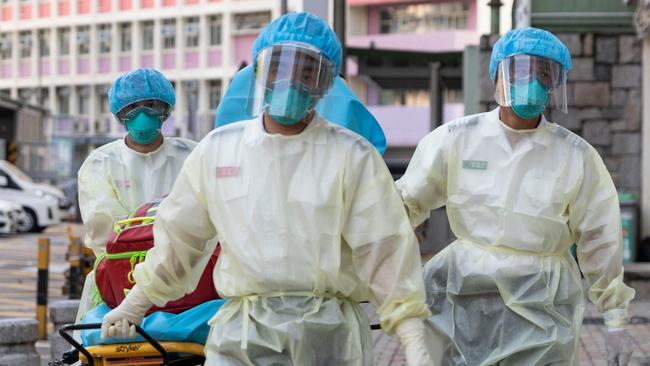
x=530, y=83
x=290, y=79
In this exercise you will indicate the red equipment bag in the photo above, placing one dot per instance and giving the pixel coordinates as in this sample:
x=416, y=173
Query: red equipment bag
x=128, y=246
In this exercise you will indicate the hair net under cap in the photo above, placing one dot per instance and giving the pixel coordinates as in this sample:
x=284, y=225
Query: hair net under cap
x=530, y=41
x=301, y=27
x=138, y=85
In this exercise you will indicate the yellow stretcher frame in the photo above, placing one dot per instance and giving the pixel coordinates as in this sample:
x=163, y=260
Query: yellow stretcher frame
x=112, y=354
x=151, y=352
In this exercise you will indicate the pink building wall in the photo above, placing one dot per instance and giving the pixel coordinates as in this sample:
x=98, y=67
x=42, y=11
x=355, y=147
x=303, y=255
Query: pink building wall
x=169, y=60
x=124, y=63
x=45, y=67
x=215, y=58
x=25, y=11
x=83, y=6
x=44, y=9
x=64, y=7
x=146, y=3
x=243, y=46
x=83, y=65
x=64, y=67
x=104, y=6
x=5, y=70
x=104, y=64
x=191, y=59
x=25, y=68
x=125, y=5
x=6, y=13
x=407, y=125
x=146, y=60
x=435, y=41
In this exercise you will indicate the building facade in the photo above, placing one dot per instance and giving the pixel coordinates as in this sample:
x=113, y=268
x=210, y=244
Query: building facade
x=63, y=55
x=392, y=46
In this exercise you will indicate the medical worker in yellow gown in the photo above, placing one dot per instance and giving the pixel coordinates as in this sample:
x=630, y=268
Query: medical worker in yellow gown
x=309, y=221
x=519, y=191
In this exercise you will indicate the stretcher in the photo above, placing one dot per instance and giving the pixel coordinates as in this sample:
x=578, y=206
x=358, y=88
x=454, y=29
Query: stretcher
x=149, y=353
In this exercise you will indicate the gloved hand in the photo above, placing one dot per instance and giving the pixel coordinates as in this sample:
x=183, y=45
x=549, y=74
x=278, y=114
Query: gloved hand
x=618, y=344
x=120, y=321
x=411, y=334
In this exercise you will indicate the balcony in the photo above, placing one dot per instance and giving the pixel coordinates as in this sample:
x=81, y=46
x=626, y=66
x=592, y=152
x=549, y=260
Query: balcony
x=405, y=126
x=435, y=41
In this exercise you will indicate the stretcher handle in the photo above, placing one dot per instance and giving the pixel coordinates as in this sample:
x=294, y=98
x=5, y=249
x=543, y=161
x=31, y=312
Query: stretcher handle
x=63, y=331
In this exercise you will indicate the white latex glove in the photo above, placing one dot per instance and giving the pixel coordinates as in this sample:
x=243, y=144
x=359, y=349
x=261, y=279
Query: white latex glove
x=411, y=334
x=618, y=344
x=120, y=321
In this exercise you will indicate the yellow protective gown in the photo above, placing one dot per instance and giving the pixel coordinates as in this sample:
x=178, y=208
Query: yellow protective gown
x=507, y=291
x=113, y=181
x=309, y=226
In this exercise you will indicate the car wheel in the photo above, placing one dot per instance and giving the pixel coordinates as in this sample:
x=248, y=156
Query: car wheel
x=31, y=222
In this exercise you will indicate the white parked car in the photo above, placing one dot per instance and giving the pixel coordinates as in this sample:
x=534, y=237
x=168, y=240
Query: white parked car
x=7, y=221
x=42, y=203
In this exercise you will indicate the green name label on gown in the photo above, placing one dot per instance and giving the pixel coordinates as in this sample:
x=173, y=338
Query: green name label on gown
x=475, y=164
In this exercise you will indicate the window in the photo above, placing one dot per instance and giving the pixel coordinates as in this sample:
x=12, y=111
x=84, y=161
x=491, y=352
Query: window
x=25, y=95
x=104, y=35
x=5, y=46
x=125, y=37
x=44, y=97
x=63, y=100
x=102, y=93
x=251, y=21
x=408, y=97
x=168, y=31
x=5, y=93
x=25, y=39
x=215, y=30
x=214, y=93
x=83, y=40
x=192, y=32
x=64, y=41
x=84, y=99
x=44, y=42
x=147, y=35
x=417, y=18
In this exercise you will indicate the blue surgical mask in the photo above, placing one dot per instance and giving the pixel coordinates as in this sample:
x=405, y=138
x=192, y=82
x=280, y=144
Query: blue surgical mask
x=529, y=99
x=288, y=106
x=144, y=128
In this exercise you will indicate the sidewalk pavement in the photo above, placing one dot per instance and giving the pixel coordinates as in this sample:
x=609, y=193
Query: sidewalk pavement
x=592, y=344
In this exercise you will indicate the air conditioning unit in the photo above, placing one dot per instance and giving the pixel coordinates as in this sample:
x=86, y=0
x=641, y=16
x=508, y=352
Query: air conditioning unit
x=192, y=29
